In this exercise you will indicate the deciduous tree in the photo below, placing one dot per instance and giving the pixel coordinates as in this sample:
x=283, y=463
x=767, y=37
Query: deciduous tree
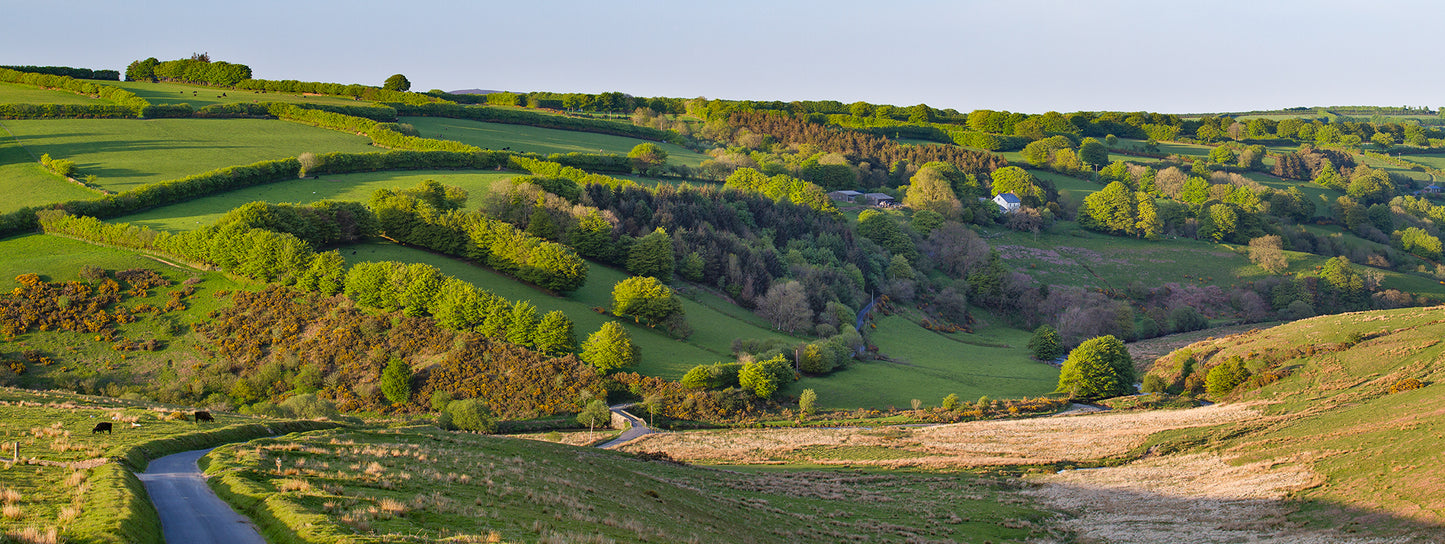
x=610, y=348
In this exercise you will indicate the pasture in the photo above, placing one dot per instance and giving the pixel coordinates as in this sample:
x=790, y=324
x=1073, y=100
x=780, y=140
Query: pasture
x=127, y=153
x=350, y=187
x=540, y=140
x=201, y=96
x=382, y=485
x=15, y=93
x=24, y=182
x=76, y=485
x=928, y=366
x=1071, y=255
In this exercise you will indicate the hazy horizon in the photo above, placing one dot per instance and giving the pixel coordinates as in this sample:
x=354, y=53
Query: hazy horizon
x=1029, y=56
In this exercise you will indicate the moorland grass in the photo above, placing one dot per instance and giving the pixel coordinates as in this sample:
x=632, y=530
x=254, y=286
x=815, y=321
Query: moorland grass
x=15, y=93
x=24, y=182
x=377, y=485
x=200, y=96
x=349, y=187
x=80, y=483
x=128, y=153
x=540, y=140
x=1376, y=450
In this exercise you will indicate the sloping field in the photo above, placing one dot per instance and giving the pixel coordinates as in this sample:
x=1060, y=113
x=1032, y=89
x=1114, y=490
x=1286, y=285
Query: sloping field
x=418, y=484
x=661, y=355
x=24, y=182
x=14, y=93
x=353, y=187
x=540, y=140
x=127, y=153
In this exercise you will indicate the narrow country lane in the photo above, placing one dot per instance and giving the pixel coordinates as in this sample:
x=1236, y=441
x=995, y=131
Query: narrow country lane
x=639, y=427
x=190, y=512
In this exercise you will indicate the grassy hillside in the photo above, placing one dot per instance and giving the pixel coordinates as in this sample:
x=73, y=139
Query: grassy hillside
x=76, y=485
x=353, y=187
x=126, y=153
x=14, y=93
x=24, y=182
x=1335, y=410
x=540, y=140
x=928, y=366
x=85, y=362
x=382, y=486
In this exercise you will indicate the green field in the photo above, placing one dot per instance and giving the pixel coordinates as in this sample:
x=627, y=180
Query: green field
x=511, y=490
x=127, y=153
x=14, y=93
x=353, y=187
x=199, y=96
x=1071, y=255
x=24, y=182
x=928, y=365
x=540, y=140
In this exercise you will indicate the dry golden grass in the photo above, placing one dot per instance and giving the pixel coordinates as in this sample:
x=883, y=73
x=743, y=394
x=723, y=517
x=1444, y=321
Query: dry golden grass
x=975, y=443
x=1187, y=499
x=32, y=535
x=12, y=511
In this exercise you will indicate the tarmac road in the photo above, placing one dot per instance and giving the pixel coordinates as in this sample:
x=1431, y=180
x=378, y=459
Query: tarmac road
x=639, y=427
x=190, y=512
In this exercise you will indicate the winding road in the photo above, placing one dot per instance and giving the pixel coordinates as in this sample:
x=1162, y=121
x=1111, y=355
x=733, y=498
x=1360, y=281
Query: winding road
x=190, y=512
x=639, y=427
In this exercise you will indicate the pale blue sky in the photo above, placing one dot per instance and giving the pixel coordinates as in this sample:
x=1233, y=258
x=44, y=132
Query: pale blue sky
x=1031, y=56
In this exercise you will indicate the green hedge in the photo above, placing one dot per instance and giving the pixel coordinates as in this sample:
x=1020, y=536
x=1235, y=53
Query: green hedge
x=116, y=95
x=64, y=111
x=362, y=92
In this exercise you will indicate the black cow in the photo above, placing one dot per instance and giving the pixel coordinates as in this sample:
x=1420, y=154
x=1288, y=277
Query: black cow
x=204, y=416
x=101, y=427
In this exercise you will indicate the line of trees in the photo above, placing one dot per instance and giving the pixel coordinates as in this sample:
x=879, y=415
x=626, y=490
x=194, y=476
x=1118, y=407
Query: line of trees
x=116, y=95
x=428, y=216
x=67, y=71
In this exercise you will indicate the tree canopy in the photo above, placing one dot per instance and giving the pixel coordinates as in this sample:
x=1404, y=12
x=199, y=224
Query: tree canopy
x=1099, y=367
x=397, y=82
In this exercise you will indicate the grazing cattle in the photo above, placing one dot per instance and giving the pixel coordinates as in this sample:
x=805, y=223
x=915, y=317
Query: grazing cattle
x=103, y=427
x=204, y=416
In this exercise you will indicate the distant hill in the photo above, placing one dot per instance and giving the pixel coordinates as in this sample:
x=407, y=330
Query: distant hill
x=474, y=91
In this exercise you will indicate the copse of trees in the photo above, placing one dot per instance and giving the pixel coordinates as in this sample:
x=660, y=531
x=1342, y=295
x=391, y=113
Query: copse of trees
x=647, y=299
x=781, y=187
x=789, y=130
x=320, y=224
x=410, y=218
x=610, y=348
x=197, y=69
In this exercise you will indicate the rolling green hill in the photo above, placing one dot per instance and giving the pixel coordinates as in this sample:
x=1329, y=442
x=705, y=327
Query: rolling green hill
x=127, y=153
x=1344, y=407
x=539, y=140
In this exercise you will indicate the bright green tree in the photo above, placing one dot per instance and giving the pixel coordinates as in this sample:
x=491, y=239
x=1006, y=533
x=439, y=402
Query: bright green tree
x=523, y=325
x=1226, y=376
x=1093, y=153
x=472, y=415
x=1045, y=343
x=764, y=378
x=396, y=381
x=1099, y=367
x=647, y=156
x=595, y=415
x=397, y=82
x=610, y=348
x=554, y=334
x=652, y=256
x=931, y=190
x=807, y=402
x=644, y=298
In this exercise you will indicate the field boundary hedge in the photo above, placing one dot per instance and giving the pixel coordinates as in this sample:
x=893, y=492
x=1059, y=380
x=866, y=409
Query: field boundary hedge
x=119, y=97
